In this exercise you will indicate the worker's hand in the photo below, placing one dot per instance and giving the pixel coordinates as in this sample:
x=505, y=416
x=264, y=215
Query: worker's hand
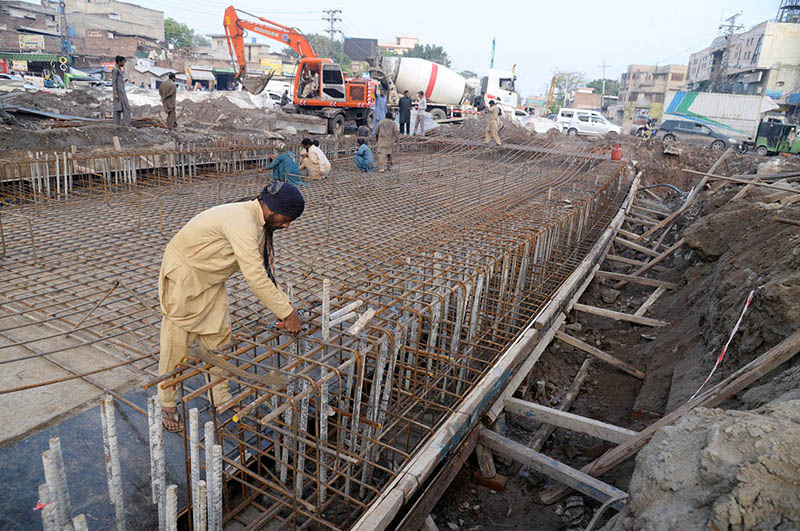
x=291, y=324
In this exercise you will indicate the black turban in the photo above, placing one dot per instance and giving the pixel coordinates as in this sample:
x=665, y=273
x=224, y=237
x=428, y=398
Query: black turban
x=283, y=198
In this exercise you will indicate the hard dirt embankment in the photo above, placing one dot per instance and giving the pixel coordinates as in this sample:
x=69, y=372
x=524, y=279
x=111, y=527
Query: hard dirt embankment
x=736, y=467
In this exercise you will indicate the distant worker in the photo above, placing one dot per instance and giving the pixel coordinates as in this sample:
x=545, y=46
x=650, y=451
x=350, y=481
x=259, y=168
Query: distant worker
x=284, y=166
x=315, y=161
x=363, y=156
x=405, y=114
x=198, y=261
x=380, y=108
x=122, y=109
x=419, y=116
x=285, y=98
x=169, y=92
x=494, y=123
x=387, y=135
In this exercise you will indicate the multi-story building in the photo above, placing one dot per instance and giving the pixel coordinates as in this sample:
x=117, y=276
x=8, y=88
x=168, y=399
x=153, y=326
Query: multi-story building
x=762, y=60
x=643, y=90
x=400, y=46
x=30, y=37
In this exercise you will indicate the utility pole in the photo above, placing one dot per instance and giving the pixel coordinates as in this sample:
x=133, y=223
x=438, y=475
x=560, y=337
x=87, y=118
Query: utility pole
x=603, y=97
x=728, y=30
x=332, y=17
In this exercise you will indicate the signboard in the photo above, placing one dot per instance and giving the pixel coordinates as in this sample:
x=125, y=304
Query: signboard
x=19, y=66
x=107, y=66
x=271, y=64
x=31, y=42
x=774, y=94
x=289, y=69
x=3, y=69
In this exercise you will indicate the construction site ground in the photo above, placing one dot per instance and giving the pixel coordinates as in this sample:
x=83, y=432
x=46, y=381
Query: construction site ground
x=732, y=245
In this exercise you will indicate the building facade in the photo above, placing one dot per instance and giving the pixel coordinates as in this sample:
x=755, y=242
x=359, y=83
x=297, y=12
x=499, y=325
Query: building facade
x=400, y=45
x=764, y=60
x=643, y=90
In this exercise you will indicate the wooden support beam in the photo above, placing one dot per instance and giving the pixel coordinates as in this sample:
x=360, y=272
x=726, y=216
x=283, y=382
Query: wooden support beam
x=570, y=421
x=562, y=473
x=641, y=221
x=631, y=261
x=787, y=221
x=661, y=213
x=636, y=247
x=651, y=300
x=639, y=280
x=599, y=354
x=485, y=461
x=619, y=316
x=429, y=525
x=658, y=259
x=541, y=435
x=774, y=357
x=754, y=182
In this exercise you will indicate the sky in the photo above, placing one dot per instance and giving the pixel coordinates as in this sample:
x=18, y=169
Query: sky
x=539, y=37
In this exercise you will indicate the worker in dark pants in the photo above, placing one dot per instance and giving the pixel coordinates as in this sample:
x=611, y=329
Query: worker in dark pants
x=405, y=114
x=122, y=109
x=168, y=92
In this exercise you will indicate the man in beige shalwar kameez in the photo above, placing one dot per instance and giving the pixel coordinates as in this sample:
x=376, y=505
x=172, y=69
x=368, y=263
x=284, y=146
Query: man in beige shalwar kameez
x=198, y=260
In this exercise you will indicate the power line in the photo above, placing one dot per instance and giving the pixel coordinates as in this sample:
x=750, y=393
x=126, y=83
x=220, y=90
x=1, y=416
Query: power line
x=333, y=16
x=603, y=96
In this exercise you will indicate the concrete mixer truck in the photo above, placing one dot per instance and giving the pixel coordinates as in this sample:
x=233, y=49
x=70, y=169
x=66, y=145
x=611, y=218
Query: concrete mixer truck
x=448, y=94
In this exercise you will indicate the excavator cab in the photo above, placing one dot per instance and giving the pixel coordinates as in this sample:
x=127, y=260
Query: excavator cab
x=320, y=79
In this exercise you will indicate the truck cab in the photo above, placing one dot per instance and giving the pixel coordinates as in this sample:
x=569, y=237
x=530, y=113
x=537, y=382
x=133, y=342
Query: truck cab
x=499, y=86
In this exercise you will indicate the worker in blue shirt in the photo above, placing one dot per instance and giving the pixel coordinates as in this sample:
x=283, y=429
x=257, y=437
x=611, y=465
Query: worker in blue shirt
x=363, y=156
x=285, y=168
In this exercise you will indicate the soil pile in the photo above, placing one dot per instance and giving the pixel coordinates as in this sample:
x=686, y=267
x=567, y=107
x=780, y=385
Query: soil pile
x=719, y=469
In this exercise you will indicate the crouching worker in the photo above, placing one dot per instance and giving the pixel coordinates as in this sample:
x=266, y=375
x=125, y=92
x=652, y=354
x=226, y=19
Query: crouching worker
x=315, y=161
x=198, y=260
x=363, y=156
x=284, y=166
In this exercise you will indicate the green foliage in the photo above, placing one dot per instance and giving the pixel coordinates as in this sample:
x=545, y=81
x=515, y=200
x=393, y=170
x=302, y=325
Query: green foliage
x=612, y=86
x=431, y=52
x=180, y=35
x=467, y=74
x=320, y=43
x=565, y=82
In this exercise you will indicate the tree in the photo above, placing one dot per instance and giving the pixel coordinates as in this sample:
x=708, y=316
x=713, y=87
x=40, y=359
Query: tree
x=612, y=86
x=431, y=52
x=565, y=82
x=467, y=74
x=180, y=35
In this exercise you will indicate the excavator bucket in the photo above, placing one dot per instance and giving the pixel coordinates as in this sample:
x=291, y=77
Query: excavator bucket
x=256, y=85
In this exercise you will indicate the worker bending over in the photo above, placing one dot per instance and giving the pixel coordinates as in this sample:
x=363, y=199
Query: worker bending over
x=363, y=157
x=315, y=161
x=198, y=260
x=494, y=123
x=387, y=135
x=284, y=166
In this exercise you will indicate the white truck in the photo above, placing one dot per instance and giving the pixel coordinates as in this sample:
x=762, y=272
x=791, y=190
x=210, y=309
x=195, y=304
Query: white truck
x=499, y=86
x=447, y=93
x=737, y=115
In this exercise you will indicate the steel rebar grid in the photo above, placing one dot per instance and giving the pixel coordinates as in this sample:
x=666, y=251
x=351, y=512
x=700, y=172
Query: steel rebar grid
x=455, y=250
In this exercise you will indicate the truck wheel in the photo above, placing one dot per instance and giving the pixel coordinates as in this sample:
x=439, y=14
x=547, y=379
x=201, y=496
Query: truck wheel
x=668, y=138
x=717, y=145
x=336, y=125
x=438, y=114
x=762, y=150
x=572, y=132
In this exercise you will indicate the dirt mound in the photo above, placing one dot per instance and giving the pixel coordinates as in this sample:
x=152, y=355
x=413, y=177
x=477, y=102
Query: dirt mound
x=73, y=103
x=719, y=470
x=221, y=114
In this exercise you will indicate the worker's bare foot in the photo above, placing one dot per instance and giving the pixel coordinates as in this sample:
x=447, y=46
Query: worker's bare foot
x=171, y=419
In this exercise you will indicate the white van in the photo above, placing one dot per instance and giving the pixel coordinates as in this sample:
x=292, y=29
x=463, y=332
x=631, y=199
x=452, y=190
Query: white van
x=584, y=123
x=566, y=114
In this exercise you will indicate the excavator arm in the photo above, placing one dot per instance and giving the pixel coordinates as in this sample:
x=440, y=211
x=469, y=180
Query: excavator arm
x=235, y=28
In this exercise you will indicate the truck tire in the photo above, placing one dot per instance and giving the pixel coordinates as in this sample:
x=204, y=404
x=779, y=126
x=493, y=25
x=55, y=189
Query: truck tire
x=367, y=120
x=669, y=138
x=336, y=125
x=762, y=150
x=717, y=145
x=438, y=114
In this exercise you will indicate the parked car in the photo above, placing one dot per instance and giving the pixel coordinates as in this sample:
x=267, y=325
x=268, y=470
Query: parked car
x=566, y=114
x=584, y=123
x=695, y=133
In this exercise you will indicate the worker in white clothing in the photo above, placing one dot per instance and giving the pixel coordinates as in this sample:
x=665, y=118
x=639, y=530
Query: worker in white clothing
x=419, y=115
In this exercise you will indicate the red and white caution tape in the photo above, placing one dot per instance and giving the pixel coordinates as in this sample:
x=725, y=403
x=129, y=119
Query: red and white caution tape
x=725, y=348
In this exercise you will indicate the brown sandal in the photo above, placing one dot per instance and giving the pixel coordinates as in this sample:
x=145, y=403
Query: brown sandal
x=171, y=420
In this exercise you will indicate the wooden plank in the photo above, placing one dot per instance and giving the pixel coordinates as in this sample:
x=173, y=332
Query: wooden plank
x=429, y=525
x=787, y=221
x=485, y=461
x=631, y=261
x=661, y=213
x=641, y=221
x=774, y=357
x=619, y=316
x=570, y=421
x=542, y=464
x=650, y=301
x=754, y=182
x=599, y=354
x=636, y=247
x=658, y=259
x=639, y=280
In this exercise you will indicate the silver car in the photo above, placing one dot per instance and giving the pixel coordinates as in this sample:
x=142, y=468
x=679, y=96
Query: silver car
x=694, y=133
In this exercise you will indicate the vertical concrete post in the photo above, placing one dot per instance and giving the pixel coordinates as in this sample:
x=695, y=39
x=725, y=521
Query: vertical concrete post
x=116, y=474
x=194, y=463
x=172, y=508
x=49, y=510
x=56, y=479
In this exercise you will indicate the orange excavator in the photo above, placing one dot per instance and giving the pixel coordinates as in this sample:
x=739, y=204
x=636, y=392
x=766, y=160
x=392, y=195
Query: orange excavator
x=320, y=89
